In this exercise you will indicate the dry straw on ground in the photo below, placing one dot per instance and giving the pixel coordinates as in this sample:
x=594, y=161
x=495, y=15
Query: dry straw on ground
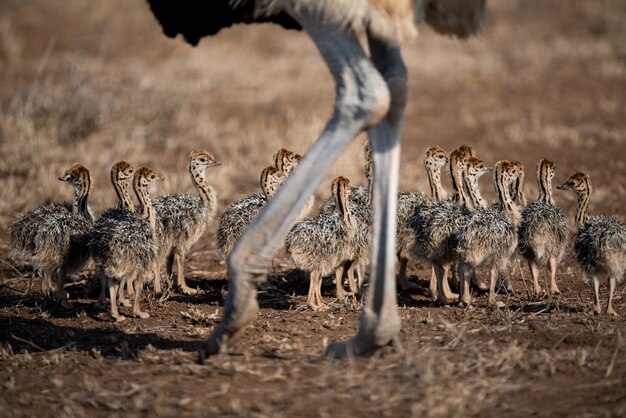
x=95, y=82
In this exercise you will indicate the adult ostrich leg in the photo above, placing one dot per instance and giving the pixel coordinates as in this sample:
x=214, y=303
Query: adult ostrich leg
x=362, y=101
x=380, y=323
x=368, y=91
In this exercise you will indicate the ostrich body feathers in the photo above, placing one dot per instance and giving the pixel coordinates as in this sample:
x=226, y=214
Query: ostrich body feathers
x=387, y=19
x=600, y=247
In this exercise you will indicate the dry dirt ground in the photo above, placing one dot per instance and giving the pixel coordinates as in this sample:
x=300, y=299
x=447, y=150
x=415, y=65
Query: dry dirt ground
x=97, y=81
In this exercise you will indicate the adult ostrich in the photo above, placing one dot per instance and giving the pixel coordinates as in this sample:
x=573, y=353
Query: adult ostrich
x=371, y=94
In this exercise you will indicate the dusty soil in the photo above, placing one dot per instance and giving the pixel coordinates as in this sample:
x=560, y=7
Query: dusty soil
x=96, y=83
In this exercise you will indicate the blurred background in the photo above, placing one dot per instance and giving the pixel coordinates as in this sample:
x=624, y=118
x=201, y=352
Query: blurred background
x=96, y=82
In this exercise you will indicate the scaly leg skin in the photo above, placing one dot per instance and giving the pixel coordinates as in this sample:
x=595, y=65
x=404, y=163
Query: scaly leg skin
x=113, y=288
x=121, y=297
x=45, y=284
x=465, y=297
x=534, y=272
x=121, y=294
x=180, y=276
x=595, y=286
x=349, y=273
x=137, y=312
x=493, y=278
x=359, y=280
x=340, y=293
x=609, y=306
x=433, y=284
x=156, y=272
x=362, y=100
x=129, y=289
x=317, y=302
x=60, y=292
x=314, y=300
x=445, y=294
x=403, y=281
x=554, y=289
x=353, y=271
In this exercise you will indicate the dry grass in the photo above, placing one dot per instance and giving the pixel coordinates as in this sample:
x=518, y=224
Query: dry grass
x=65, y=98
x=453, y=370
x=98, y=82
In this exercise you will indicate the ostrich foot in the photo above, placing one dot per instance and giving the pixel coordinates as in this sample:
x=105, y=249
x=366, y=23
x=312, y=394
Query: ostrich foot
x=555, y=291
x=496, y=304
x=350, y=300
x=314, y=301
x=125, y=302
x=315, y=305
x=611, y=311
x=443, y=299
x=141, y=314
x=186, y=290
x=230, y=328
x=118, y=318
x=358, y=346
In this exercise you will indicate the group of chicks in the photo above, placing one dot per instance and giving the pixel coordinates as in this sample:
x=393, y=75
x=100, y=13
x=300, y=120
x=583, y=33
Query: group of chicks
x=128, y=244
x=460, y=232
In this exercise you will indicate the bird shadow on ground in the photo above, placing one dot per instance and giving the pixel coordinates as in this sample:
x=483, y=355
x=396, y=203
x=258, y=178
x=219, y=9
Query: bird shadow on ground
x=110, y=341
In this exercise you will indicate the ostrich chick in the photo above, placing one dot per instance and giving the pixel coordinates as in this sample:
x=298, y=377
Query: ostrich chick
x=359, y=200
x=125, y=249
x=321, y=245
x=121, y=176
x=600, y=244
x=489, y=238
x=54, y=237
x=184, y=219
x=542, y=232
